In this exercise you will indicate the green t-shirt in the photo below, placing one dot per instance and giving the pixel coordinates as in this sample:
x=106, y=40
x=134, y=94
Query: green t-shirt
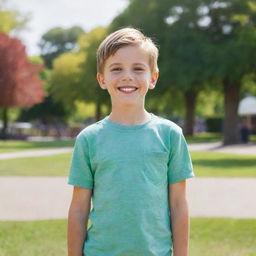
x=129, y=169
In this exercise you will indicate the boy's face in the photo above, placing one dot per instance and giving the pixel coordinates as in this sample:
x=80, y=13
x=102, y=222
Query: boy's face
x=127, y=76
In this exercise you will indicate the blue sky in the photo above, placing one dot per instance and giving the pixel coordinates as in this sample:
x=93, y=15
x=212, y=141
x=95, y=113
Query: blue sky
x=46, y=14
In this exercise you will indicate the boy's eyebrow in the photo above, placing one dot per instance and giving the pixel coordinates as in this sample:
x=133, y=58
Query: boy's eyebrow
x=114, y=64
x=139, y=63
x=117, y=63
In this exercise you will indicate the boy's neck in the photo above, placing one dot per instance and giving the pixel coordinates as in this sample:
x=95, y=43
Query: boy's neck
x=129, y=116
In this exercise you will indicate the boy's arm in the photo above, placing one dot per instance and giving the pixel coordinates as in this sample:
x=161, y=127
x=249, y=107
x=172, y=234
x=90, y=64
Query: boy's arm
x=179, y=217
x=77, y=220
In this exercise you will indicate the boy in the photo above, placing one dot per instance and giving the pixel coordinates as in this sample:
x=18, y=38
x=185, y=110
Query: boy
x=132, y=163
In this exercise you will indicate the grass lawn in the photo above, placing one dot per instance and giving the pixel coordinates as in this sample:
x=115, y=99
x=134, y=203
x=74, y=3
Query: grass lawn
x=223, y=237
x=53, y=165
x=253, y=138
x=206, y=164
x=209, y=237
x=33, y=238
x=204, y=137
x=11, y=146
x=212, y=164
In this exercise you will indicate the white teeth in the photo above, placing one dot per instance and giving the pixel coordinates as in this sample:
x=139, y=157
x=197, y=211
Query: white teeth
x=127, y=89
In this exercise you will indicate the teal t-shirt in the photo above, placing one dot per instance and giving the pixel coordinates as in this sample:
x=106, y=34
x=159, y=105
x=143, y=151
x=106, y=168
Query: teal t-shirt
x=129, y=169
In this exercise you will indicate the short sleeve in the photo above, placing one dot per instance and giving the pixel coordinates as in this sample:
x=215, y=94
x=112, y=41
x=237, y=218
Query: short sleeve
x=179, y=164
x=80, y=173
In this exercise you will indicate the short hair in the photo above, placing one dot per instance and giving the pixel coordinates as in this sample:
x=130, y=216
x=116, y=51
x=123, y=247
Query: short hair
x=126, y=37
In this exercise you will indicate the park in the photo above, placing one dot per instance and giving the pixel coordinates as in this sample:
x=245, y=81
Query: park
x=207, y=73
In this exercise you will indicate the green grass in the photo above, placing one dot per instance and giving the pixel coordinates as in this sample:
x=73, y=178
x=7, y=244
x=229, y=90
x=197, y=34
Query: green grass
x=253, y=138
x=53, y=165
x=206, y=164
x=209, y=237
x=223, y=237
x=204, y=137
x=11, y=146
x=33, y=238
x=212, y=164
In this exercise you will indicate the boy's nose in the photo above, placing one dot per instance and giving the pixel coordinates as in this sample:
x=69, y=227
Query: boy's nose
x=127, y=76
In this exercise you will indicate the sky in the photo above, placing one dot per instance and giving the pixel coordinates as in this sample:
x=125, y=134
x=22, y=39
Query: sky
x=46, y=14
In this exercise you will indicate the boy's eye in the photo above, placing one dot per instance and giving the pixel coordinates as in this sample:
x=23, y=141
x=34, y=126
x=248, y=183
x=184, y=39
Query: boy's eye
x=138, y=69
x=116, y=69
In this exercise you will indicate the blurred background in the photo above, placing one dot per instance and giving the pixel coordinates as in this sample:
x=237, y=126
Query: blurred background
x=207, y=65
x=49, y=93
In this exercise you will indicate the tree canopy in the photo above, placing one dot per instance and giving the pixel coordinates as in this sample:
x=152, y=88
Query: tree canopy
x=91, y=91
x=65, y=78
x=57, y=41
x=11, y=19
x=73, y=77
x=19, y=81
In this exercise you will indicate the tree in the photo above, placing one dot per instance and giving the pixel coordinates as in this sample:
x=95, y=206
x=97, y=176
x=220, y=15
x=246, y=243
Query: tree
x=73, y=77
x=146, y=15
x=232, y=32
x=49, y=110
x=10, y=19
x=65, y=78
x=91, y=90
x=226, y=31
x=19, y=83
x=58, y=41
x=229, y=31
x=54, y=44
x=185, y=66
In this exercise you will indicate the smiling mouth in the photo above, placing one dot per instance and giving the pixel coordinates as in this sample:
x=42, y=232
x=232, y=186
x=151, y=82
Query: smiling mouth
x=127, y=89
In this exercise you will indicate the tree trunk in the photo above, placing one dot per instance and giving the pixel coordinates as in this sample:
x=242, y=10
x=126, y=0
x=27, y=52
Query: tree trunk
x=190, y=104
x=231, y=101
x=98, y=111
x=5, y=123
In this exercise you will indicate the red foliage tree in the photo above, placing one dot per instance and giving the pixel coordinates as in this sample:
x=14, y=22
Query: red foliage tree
x=19, y=81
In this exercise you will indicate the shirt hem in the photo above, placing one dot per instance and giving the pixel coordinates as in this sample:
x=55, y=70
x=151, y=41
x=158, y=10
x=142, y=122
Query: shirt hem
x=185, y=177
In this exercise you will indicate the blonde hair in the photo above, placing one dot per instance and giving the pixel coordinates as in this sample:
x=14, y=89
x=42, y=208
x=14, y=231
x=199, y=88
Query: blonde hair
x=126, y=37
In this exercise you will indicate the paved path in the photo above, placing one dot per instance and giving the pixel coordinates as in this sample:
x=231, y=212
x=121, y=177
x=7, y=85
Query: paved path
x=31, y=198
x=243, y=149
x=222, y=197
x=35, y=153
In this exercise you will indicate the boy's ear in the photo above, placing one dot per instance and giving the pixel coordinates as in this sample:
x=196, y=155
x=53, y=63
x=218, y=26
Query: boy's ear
x=153, y=80
x=101, y=81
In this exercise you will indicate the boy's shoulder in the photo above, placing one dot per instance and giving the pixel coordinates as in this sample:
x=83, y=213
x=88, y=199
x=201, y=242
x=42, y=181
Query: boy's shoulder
x=161, y=123
x=91, y=130
x=167, y=124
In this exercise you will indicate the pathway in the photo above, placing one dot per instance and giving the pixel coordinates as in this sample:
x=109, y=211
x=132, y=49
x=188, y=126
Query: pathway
x=242, y=149
x=35, y=153
x=33, y=198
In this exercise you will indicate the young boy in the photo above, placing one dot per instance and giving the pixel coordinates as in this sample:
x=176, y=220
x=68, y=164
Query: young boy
x=133, y=164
